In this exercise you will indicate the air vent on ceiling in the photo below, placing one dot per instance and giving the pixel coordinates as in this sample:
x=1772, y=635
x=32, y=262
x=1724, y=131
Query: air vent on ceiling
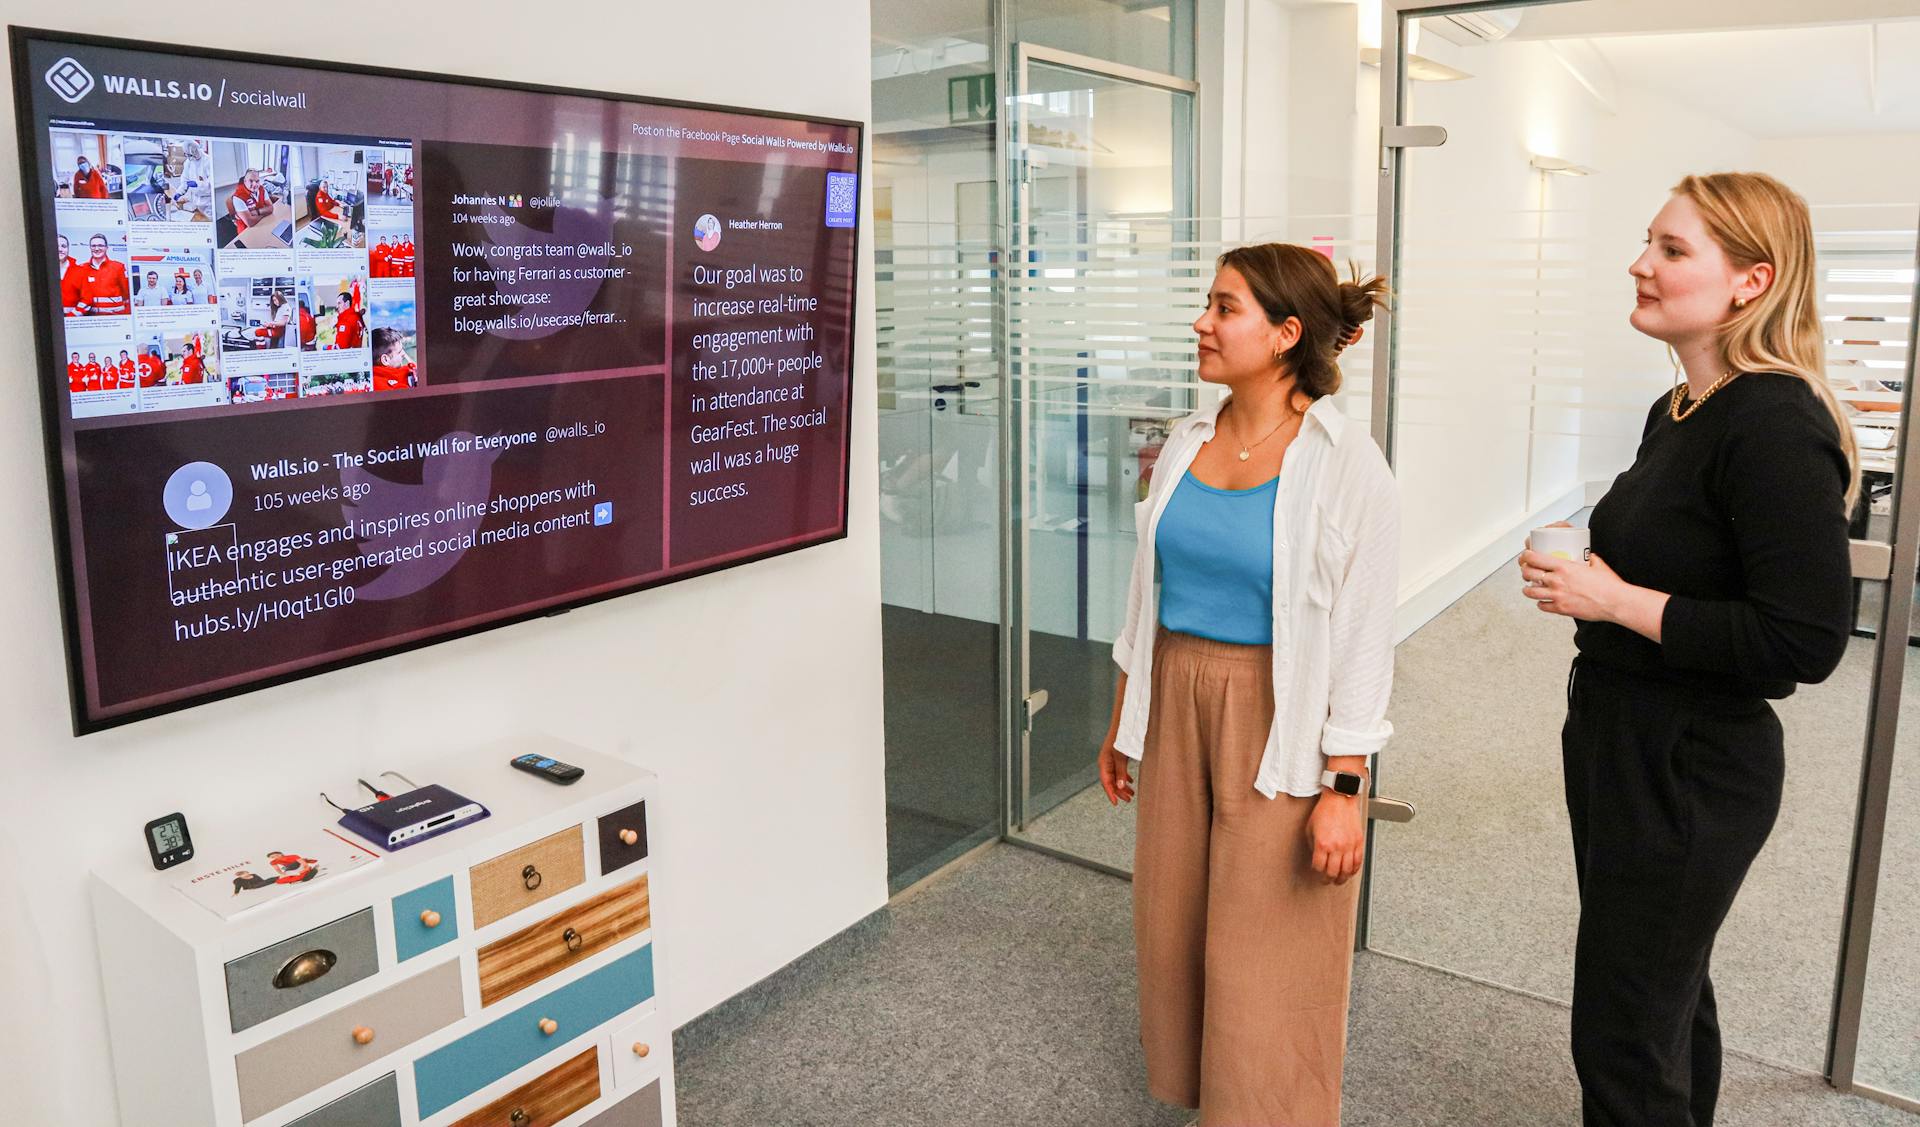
x=1471, y=28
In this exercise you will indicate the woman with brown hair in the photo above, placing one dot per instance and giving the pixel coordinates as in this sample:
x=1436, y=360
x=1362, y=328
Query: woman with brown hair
x=1720, y=578
x=1255, y=664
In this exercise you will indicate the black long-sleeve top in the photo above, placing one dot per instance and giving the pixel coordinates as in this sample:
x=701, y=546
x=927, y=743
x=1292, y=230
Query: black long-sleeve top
x=1738, y=514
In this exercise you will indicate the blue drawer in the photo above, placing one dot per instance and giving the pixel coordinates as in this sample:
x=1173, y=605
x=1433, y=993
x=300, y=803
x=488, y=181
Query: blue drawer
x=410, y=936
x=457, y=1070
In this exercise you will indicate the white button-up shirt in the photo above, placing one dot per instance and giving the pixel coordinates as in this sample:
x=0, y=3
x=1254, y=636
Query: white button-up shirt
x=1336, y=564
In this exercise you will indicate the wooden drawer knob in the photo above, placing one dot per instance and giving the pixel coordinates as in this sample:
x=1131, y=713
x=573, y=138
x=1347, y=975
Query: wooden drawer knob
x=429, y=918
x=362, y=1035
x=629, y=837
x=549, y=1026
x=641, y=1048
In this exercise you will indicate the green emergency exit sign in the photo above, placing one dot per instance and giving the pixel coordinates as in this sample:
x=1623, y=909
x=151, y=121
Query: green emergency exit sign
x=970, y=99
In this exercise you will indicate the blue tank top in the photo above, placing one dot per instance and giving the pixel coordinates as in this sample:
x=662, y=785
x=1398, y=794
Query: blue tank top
x=1214, y=552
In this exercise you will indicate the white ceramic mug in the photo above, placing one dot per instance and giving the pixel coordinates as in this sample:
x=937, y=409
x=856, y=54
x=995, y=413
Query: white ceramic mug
x=1566, y=543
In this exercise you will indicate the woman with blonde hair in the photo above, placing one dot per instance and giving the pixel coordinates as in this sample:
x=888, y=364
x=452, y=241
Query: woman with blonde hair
x=1720, y=579
x=1253, y=691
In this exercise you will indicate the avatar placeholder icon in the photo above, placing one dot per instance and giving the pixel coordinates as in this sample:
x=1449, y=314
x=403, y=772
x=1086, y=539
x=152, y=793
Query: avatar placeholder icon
x=198, y=495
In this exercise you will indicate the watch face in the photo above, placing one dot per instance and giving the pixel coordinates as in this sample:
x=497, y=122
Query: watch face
x=1345, y=782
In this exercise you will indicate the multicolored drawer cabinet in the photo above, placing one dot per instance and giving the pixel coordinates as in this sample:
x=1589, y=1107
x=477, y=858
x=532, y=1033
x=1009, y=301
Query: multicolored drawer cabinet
x=502, y=975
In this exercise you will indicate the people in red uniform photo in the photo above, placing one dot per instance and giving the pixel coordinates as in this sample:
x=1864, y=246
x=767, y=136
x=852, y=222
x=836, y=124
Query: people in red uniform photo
x=251, y=201
x=324, y=205
x=380, y=260
x=88, y=184
x=192, y=368
x=69, y=281
x=76, y=374
x=347, y=323
x=308, y=327
x=392, y=371
x=403, y=258
x=153, y=369
x=124, y=370
x=91, y=375
x=101, y=290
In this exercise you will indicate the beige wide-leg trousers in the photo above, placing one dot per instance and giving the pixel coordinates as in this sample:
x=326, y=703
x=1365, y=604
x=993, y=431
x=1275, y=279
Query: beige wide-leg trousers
x=1245, y=953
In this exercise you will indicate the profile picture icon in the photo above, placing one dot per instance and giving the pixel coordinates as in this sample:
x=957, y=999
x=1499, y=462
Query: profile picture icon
x=706, y=232
x=197, y=495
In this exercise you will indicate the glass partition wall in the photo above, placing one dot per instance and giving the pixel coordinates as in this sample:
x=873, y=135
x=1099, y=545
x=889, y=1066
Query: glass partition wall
x=1517, y=390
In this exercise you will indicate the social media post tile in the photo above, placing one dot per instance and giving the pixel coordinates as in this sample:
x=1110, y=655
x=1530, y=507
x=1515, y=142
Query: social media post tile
x=395, y=343
x=169, y=182
x=172, y=284
x=102, y=370
x=370, y=519
x=258, y=323
x=329, y=198
x=335, y=297
x=89, y=177
x=191, y=369
x=263, y=387
x=390, y=248
x=90, y=264
x=254, y=183
x=389, y=181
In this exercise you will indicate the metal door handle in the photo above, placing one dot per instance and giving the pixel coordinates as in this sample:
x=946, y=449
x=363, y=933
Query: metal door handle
x=1389, y=810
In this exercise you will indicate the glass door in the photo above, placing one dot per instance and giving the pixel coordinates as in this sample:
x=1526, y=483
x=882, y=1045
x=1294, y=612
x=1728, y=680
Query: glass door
x=1103, y=282
x=1515, y=391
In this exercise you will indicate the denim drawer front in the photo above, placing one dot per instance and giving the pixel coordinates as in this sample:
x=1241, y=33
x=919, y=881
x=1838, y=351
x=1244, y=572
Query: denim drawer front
x=411, y=936
x=459, y=1069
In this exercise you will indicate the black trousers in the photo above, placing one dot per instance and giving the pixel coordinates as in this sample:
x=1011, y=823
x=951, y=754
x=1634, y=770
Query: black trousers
x=1671, y=797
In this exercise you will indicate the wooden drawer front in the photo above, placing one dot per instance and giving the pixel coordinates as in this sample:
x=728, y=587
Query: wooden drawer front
x=614, y=850
x=376, y=1105
x=322, y=1051
x=562, y=940
x=642, y=1109
x=411, y=935
x=631, y=1069
x=551, y=865
x=546, y=1101
x=345, y=944
x=460, y=1068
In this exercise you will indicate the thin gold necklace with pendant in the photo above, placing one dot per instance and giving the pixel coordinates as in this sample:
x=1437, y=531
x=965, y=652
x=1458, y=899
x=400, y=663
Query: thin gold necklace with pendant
x=1246, y=451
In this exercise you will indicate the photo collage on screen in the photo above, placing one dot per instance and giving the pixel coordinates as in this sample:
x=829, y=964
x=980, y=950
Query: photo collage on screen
x=200, y=271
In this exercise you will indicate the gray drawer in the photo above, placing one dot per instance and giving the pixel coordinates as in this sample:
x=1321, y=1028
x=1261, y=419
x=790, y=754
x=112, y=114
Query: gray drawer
x=642, y=1109
x=376, y=1105
x=253, y=998
x=324, y=1050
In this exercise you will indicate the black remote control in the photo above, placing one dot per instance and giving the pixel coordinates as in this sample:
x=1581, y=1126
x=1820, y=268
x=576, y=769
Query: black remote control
x=549, y=768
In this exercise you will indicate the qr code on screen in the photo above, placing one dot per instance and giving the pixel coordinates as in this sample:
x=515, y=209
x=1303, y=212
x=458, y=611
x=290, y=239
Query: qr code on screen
x=842, y=198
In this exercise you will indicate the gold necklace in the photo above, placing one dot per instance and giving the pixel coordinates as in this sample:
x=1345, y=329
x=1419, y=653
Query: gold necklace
x=1673, y=408
x=1246, y=451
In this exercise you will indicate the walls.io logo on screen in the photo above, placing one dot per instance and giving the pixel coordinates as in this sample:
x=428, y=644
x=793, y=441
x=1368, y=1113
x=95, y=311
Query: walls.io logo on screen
x=70, y=80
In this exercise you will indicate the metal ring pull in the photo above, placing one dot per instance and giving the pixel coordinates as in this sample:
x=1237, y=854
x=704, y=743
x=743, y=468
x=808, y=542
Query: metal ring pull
x=530, y=877
x=518, y=1117
x=571, y=938
x=304, y=968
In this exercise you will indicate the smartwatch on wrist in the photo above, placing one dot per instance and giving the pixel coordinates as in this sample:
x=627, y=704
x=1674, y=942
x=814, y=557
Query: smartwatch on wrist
x=1343, y=782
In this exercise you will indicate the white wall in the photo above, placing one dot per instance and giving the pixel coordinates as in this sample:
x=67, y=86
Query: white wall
x=1881, y=168
x=755, y=692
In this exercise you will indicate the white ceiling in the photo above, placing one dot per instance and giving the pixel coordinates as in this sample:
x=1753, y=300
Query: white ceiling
x=1797, y=82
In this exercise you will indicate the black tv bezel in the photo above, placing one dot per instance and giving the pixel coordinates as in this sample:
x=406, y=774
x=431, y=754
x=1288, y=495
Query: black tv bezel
x=33, y=201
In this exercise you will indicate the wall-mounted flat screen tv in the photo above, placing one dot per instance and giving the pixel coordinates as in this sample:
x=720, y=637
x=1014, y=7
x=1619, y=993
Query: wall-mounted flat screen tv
x=339, y=361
